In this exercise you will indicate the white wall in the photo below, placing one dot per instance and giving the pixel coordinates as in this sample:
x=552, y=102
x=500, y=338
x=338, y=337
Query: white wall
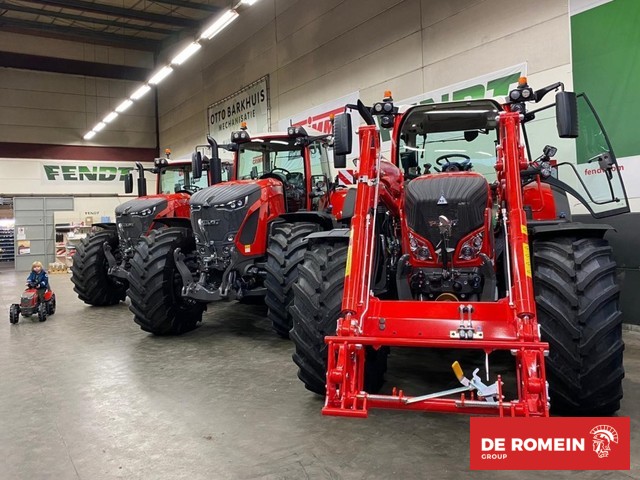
x=318, y=51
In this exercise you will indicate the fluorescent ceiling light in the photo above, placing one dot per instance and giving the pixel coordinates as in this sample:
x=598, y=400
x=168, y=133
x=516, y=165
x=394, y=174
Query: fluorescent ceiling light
x=124, y=105
x=140, y=92
x=109, y=118
x=248, y=2
x=219, y=24
x=99, y=127
x=89, y=135
x=180, y=58
x=160, y=75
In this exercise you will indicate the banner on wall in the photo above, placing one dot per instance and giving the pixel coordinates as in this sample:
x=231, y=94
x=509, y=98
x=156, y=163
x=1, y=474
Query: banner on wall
x=494, y=84
x=250, y=104
x=38, y=176
x=615, y=97
x=319, y=117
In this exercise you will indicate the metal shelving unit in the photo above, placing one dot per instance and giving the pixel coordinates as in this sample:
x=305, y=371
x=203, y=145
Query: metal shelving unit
x=7, y=245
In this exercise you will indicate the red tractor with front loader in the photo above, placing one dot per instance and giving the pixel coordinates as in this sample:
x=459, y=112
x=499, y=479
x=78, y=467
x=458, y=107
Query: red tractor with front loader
x=246, y=236
x=101, y=263
x=487, y=262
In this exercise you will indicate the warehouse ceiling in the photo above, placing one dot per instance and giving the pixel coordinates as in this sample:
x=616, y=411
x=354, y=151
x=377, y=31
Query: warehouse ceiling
x=135, y=24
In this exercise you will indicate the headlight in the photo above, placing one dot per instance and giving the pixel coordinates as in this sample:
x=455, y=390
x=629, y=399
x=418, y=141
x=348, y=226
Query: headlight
x=233, y=204
x=419, y=249
x=471, y=248
x=145, y=213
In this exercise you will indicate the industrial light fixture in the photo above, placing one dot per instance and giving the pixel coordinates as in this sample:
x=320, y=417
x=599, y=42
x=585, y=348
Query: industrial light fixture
x=124, y=105
x=160, y=75
x=211, y=31
x=182, y=57
x=219, y=24
x=109, y=118
x=140, y=92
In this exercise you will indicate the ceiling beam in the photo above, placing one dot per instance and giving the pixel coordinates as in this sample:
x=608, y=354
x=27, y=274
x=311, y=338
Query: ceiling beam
x=73, y=67
x=83, y=35
x=196, y=6
x=119, y=12
x=81, y=18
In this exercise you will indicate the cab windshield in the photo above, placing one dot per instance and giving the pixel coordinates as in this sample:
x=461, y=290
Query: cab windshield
x=450, y=137
x=178, y=178
x=257, y=158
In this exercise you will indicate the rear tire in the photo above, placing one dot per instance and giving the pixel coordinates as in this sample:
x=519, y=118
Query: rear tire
x=14, y=313
x=42, y=312
x=286, y=249
x=579, y=314
x=89, y=271
x=155, y=284
x=316, y=307
x=51, y=305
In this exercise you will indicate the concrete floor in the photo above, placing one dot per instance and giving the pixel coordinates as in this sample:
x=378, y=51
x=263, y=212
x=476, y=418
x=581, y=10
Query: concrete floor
x=89, y=395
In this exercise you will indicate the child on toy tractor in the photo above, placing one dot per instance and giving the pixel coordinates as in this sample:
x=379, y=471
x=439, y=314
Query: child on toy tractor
x=37, y=298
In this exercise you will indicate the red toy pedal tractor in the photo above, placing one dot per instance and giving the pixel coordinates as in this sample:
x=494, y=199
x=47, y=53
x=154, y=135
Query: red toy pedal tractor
x=479, y=263
x=29, y=305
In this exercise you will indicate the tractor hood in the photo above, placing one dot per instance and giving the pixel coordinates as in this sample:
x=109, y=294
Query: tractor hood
x=221, y=195
x=134, y=217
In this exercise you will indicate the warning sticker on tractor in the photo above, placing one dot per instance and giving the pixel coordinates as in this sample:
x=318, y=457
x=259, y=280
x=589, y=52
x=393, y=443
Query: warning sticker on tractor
x=348, y=267
x=527, y=259
x=523, y=229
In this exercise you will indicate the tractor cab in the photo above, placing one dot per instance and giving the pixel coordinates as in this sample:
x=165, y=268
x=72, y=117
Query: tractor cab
x=296, y=159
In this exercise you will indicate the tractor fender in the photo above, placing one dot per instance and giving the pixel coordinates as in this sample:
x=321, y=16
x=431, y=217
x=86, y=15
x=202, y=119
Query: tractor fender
x=106, y=225
x=574, y=228
x=334, y=236
x=325, y=220
x=174, y=222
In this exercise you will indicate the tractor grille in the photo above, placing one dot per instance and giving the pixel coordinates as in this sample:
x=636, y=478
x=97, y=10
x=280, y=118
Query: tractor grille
x=462, y=198
x=26, y=300
x=216, y=213
x=134, y=218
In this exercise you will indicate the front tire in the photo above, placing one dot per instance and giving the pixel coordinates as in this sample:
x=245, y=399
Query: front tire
x=42, y=312
x=579, y=314
x=286, y=249
x=155, y=284
x=14, y=313
x=316, y=307
x=89, y=272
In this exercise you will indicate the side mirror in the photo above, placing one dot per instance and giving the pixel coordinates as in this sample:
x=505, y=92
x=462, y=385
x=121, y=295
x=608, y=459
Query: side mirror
x=216, y=170
x=342, y=135
x=196, y=165
x=339, y=161
x=567, y=114
x=128, y=183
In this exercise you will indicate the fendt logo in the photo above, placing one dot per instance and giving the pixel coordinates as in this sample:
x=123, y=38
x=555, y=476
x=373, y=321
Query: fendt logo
x=552, y=443
x=603, y=437
x=81, y=173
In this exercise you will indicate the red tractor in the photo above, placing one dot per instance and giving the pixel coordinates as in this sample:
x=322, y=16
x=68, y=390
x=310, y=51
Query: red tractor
x=246, y=237
x=487, y=262
x=102, y=261
x=29, y=305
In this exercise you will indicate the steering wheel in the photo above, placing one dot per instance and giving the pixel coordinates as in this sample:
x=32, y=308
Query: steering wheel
x=465, y=158
x=189, y=189
x=287, y=172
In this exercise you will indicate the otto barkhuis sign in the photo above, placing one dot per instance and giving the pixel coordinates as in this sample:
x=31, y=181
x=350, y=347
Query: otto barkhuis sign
x=250, y=104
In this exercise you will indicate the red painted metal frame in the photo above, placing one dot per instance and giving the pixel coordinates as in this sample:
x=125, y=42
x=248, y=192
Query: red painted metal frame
x=508, y=324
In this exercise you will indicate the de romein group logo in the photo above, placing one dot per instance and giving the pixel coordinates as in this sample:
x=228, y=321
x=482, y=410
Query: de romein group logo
x=556, y=443
x=603, y=437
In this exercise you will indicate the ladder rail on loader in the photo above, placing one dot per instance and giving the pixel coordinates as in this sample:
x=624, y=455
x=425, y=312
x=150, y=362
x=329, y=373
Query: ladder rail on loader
x=507, y=324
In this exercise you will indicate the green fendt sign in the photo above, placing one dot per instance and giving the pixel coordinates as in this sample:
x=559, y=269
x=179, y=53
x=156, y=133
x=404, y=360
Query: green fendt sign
x=83, y=173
